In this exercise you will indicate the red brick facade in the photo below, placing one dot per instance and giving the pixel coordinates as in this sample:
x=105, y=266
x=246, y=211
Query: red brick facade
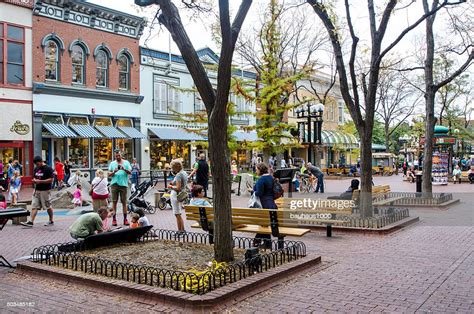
x=69, y=32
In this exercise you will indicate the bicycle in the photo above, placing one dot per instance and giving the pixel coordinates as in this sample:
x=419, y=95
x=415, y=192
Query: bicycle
x=308, y=183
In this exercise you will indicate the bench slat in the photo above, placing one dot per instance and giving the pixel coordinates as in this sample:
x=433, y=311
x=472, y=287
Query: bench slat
x=296, y=232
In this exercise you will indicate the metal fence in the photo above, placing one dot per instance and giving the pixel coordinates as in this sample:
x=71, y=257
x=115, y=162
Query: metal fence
x=409, y=198
x=67, y=255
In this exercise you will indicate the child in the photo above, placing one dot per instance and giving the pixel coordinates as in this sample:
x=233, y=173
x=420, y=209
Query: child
x=77, y=196
x=233, y=168
x=198, y=196
x=105, y=221
x=142, y=221
x=15, y=184
x=134, y=220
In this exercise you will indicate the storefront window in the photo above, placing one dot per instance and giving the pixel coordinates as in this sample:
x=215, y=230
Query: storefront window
x=240, y=156
x=53, y=119
x=126, y=147
x=102, y=152
x=79, y=152
x=78, y=120
x=124, y=122
x=162, y=152
x=103, y=121
x=13, y=153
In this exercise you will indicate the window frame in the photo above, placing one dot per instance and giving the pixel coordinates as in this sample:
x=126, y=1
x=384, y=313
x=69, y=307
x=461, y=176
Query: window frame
x=107, y=61
x=171, y=97
x=128, y=81
x=5, y=40
x=57, y=61
x=83, y=65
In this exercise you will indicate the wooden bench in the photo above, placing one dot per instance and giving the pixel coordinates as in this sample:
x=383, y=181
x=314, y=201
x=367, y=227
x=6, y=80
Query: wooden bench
x=5, y=215
x=252, y=220
x=380, y=195
x=324, y=206
x=464, y=177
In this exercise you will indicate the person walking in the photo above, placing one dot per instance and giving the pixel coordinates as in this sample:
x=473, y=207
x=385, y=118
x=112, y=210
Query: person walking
x=135, y=172
x=42, y=179
x=59, y=171
x=15, y=185
x=99, y=191
x=177, y=186
x=67, y=172
x=263, y=189
x=315, y=171
x=201, y=169
x=119, y=170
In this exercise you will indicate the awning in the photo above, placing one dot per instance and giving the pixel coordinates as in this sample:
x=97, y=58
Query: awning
x=59, y=130
x=85, y=131
x=378, y=147
x=110, y=131
x=131, y=132
x=178, y=134
x=245, y=136
x=332, y=137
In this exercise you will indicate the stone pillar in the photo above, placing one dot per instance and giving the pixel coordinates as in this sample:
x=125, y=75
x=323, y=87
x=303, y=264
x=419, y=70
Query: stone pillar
x=37, y=133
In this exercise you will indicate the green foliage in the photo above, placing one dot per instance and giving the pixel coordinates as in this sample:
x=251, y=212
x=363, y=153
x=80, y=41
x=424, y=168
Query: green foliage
x=349, y=128
x=378, y=133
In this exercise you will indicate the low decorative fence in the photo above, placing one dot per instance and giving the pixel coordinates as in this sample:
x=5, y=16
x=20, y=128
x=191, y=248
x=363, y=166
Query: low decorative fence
x=67, y=255
x=408, y=198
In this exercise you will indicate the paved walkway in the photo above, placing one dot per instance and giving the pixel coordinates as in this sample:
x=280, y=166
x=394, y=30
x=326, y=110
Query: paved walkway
x=426, y=267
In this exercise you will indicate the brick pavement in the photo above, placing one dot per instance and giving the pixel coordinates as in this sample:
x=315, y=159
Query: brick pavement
x=426, y=267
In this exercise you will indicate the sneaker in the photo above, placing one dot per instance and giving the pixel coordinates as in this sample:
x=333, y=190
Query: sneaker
x=27, y=224
x=114, y=222
x=125, y=222
x=49, y=223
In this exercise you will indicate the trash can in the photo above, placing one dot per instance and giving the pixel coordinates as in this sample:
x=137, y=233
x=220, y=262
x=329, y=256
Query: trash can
x=418, y=182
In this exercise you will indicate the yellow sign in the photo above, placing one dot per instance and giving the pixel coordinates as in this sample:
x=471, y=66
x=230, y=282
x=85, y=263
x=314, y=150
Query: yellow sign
x=20, y=128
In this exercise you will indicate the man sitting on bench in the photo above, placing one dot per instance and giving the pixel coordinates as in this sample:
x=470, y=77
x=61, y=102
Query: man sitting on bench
x=347, y=195
x=88, y=224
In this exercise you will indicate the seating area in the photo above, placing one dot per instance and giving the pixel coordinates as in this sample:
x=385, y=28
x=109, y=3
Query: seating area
x=464, y=177
x=264, y=221
x=381, y=195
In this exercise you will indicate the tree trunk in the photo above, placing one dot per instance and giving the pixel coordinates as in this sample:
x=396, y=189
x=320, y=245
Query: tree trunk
x=366, y=209
x=387, y=138
x=220, y=155
x=427, y=186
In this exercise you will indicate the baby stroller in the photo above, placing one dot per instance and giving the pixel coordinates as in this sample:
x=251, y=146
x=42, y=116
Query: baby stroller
x=137, y=198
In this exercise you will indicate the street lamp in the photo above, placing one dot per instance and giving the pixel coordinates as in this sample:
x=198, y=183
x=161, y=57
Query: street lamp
x=313, y=114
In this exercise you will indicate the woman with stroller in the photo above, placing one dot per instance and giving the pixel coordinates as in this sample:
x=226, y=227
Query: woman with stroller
x=177, y=186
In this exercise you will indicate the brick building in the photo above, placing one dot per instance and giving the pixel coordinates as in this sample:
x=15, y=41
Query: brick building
x=86, y=82
x=15, y=85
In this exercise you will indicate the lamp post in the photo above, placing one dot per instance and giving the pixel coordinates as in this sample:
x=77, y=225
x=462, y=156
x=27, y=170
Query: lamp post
x=311, y=117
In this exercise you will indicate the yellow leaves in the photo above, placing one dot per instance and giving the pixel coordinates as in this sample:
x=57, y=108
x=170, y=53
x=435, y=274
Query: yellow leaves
x=201, y=279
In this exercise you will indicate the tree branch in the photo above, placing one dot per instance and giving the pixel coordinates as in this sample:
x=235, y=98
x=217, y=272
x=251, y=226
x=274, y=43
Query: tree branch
x=461, y=69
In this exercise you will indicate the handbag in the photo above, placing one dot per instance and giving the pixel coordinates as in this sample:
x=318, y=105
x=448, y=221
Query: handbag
x=93, y=187
x=254, y=201
x=184, y=193
x=278, y=190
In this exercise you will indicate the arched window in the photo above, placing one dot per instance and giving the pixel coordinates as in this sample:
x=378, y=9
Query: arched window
x=124, y=72
x=78, y=58
x=102, y=68
x=51, y=53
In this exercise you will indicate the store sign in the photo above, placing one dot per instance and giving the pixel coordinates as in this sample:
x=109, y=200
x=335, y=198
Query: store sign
x=22, y=3
x=20, y=128
x=445, y=140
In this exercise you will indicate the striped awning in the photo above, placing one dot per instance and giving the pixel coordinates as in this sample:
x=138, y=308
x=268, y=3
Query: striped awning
x=86, y=131
x=110, y=131
x=331, y=138
x=177, y=134
x=59, y=130
x=131, y=132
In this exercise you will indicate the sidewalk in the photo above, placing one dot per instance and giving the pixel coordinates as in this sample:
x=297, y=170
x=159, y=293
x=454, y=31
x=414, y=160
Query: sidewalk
x=426, y=267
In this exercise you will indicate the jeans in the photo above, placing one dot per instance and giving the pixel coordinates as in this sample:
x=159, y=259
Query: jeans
x=134, y=178
x=320, y=184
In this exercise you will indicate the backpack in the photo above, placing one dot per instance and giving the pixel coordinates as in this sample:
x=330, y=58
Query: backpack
x=277, y=189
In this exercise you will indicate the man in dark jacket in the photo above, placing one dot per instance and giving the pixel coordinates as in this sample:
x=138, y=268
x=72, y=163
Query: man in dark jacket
x=201, y=170
x=315, y=171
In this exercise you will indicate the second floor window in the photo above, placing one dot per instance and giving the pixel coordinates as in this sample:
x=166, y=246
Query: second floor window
x=124, y=72
x=102, y=68
x=51, y=53
x=77, y=56
x=341, y=112
x=12, y=60
x=166, y=98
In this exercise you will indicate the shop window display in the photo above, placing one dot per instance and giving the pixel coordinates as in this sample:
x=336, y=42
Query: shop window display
x=162, y=152
x=78, y=149
x=102, y=152
x=125, y=146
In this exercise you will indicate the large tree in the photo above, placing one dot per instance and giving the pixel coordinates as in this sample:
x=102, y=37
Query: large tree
x=363, y=95
x=215, y=100
x=432, y=86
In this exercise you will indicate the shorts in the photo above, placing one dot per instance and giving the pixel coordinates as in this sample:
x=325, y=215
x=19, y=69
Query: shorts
x=98, y=203
x=41, y=200
x=117, y=191
x=176, y=206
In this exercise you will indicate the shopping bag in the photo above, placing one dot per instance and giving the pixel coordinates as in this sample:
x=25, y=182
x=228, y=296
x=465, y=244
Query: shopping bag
x=254, y=202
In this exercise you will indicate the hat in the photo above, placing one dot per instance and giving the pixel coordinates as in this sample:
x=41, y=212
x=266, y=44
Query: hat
x=355, y=183
x=37, y=159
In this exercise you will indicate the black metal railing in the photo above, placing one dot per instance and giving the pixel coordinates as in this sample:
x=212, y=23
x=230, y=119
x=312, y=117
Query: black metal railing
x=68, y=255
x=413, y=198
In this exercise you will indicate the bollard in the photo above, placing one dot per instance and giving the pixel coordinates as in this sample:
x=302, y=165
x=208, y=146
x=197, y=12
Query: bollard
x=418, y=183
x=329, y=231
